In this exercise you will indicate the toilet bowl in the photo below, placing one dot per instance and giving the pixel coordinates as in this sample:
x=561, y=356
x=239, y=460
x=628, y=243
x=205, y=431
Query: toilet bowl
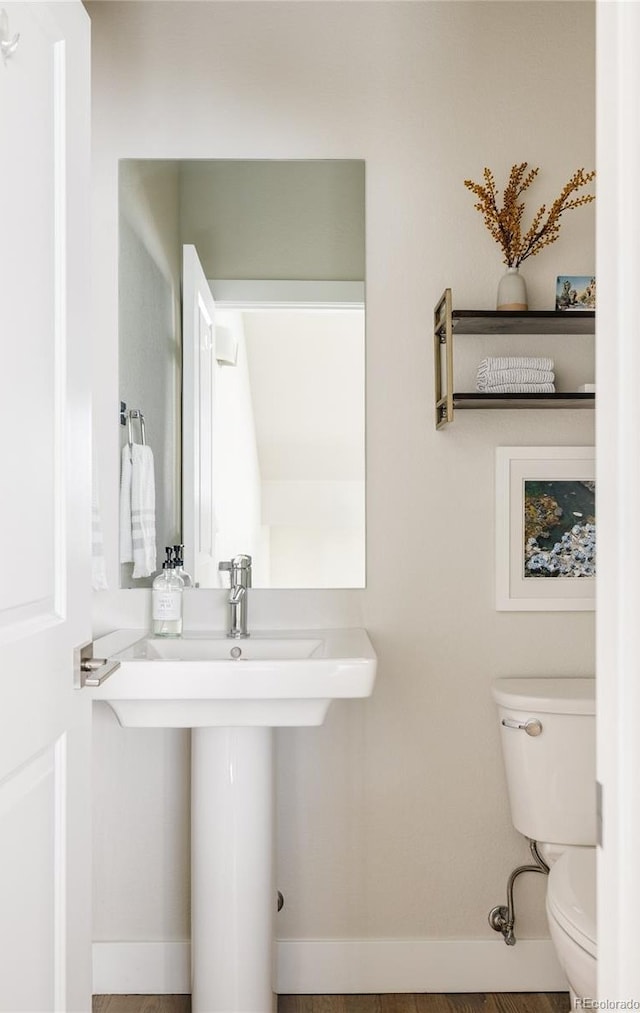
x=547, y=729
x=571, y=913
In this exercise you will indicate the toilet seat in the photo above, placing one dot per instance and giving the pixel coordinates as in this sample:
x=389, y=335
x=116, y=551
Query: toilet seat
x=571, y=896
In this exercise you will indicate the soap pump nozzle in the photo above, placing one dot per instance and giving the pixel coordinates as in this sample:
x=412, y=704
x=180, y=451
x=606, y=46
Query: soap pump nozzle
x=178, y=562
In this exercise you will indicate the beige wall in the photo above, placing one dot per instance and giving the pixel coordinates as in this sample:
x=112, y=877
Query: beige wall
x=392, y=817
x=275, y=220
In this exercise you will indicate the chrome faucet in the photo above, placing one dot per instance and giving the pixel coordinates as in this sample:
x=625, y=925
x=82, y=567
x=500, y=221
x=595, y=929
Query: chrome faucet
x=240, y=570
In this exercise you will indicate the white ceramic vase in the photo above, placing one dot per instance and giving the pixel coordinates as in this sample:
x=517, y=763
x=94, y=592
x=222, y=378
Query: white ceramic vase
x=512, y=291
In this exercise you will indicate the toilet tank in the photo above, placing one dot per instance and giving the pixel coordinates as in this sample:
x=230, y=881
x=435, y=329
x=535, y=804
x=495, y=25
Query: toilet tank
x=551, y=776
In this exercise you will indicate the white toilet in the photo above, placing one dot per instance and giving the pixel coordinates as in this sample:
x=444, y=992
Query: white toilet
x=548, y=734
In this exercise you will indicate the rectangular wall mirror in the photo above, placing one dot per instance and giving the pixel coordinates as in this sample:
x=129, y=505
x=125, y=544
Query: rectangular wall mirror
x=242, y=343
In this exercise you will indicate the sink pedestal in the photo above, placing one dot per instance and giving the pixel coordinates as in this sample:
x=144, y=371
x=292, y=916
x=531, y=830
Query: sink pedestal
x=232, y=701
x=233, y=895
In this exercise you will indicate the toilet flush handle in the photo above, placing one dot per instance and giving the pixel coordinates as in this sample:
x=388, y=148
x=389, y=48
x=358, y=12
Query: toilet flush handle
x=532, y=727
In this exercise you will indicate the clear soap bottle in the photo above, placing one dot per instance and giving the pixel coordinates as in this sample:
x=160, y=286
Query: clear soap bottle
x=178, y=565
x=166, y=601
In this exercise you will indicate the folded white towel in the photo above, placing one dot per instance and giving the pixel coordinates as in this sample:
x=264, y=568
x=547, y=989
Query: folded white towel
x=491, y=378
x=520, y=388
x=98, y=566
x=138, y=510
x=494, y=363
x=126, y=539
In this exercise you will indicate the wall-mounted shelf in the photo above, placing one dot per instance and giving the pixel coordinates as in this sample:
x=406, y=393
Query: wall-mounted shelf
x=448, y=321
x=570, y=399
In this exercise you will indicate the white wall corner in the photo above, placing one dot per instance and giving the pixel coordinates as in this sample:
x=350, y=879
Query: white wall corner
x=330, y=967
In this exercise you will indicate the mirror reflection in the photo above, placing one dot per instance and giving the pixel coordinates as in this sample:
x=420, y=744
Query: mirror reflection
x=241, y=316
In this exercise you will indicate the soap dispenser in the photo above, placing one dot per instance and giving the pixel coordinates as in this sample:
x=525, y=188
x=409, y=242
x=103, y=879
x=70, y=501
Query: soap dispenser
x=178, y=565
x=166, y=600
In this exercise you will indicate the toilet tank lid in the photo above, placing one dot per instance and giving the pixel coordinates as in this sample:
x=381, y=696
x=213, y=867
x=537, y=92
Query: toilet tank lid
x=547, y=694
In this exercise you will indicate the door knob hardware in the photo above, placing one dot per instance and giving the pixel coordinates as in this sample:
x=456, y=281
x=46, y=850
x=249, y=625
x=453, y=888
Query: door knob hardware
x=90, y=671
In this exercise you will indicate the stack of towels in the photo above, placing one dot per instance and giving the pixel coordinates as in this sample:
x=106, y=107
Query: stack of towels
x=516, y=375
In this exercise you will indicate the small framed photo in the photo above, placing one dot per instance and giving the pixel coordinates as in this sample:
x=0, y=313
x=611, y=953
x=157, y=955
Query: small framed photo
x=545, y=528
x=575, y=292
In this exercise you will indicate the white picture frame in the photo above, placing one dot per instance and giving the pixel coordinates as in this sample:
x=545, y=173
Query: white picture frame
x=519, y=470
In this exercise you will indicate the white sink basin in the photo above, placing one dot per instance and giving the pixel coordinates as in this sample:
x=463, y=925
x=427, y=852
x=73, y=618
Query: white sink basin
x=278, y=678
x=193, y=647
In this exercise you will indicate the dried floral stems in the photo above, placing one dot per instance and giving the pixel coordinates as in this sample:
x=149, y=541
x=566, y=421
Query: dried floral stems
x=505, y=223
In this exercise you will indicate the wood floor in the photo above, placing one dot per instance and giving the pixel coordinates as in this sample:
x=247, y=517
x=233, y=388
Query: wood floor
x=463, y=1002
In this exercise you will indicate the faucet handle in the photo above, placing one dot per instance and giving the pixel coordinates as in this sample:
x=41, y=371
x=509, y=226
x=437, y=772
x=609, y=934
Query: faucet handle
x=240, y=569
x=241, y=562
x=226, y=564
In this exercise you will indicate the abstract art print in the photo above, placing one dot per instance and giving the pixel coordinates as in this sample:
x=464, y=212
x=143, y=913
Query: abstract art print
x=545, y=528
x=559, y=528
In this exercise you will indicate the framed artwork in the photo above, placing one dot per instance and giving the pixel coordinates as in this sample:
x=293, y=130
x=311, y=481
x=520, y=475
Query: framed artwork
x=575, y=292
x=545, y=528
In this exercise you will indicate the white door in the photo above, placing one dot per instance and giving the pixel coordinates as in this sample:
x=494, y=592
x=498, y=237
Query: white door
x=618, y=477
x=198, y=420
x=45, y=931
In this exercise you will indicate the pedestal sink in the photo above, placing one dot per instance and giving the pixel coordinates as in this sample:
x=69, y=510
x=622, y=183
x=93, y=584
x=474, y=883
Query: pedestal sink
x=232, y=693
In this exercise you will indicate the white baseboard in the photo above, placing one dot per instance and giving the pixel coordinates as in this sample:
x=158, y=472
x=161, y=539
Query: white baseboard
x=157, y=968
x=417, y=965
x=330, y=966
